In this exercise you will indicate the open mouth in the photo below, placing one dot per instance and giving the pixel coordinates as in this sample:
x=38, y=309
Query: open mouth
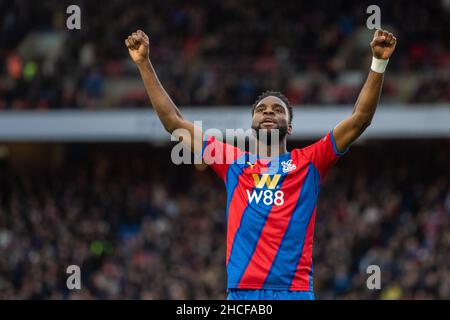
x=268, y=121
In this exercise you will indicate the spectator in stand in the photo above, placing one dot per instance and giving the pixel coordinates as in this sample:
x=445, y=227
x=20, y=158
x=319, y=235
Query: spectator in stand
x=216, y=52
x=125, y=220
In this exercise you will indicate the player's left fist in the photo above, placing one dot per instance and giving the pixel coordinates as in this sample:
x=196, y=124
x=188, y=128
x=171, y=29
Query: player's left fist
x=383, y=44
x=138, y=47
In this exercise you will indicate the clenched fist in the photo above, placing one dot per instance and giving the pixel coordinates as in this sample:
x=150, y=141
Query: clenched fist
x=138, y=47
x=383, y=44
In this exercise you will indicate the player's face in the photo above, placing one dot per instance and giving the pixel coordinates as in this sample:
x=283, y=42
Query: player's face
x=270, y=114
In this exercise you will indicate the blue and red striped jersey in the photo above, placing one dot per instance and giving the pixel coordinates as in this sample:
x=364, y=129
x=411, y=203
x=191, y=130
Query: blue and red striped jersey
x=271, y=210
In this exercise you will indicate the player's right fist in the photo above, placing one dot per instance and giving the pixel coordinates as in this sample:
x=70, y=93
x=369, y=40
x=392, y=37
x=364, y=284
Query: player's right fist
x=138, y=46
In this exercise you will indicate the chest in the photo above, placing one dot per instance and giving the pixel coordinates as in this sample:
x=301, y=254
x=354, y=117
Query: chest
x=270, y=175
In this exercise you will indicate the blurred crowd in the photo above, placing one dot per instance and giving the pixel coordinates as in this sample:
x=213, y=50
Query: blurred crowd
x=217, y=52
x=140, y=227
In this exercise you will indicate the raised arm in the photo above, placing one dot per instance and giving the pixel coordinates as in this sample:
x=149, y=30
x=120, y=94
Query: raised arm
x=167, y=111
x=348, y=130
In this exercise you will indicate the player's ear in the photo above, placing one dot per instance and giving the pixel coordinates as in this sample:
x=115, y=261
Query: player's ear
x=289, y=129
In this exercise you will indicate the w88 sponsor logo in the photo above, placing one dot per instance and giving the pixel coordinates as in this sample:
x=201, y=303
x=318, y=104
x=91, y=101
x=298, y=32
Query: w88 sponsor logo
x=267, y=197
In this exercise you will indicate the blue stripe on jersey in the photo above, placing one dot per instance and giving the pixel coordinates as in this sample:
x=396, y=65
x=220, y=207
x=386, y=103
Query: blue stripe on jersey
x=333, y=142
x=288, y=255
x=205, y=141
x=232, y=179
x=247, y=237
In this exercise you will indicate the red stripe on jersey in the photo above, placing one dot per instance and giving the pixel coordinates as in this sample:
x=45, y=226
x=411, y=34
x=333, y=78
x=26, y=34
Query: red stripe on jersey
x=302, y=275
x=220, y=155
x=236, y=209
x=273, y=232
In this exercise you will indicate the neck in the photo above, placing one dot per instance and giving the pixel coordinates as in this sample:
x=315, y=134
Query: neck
x=265, y=150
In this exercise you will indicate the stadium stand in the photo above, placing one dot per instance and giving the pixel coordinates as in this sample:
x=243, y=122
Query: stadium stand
x=217, y=52
x=123, y=214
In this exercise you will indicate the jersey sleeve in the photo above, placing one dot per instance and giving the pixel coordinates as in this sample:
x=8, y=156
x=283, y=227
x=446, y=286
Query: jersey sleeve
x=219, y=155
x=323, y=153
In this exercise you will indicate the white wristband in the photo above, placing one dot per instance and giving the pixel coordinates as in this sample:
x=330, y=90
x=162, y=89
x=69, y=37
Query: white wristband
x=379, y=65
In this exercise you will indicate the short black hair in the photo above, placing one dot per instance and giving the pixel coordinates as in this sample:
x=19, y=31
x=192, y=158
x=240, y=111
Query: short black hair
x=282, y=97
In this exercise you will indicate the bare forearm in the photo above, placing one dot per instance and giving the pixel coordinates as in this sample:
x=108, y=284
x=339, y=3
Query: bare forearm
x=162, y=103
x=348, y=130
x=352, y=127
x=368, y=99
x=138, y=44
